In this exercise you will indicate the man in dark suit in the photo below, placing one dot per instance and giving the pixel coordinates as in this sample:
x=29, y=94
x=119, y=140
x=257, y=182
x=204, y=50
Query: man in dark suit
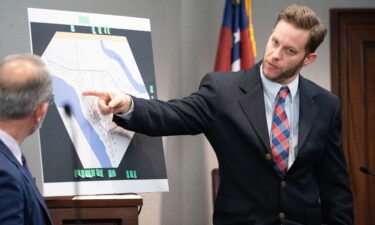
x=25, y=89
x=276, y=134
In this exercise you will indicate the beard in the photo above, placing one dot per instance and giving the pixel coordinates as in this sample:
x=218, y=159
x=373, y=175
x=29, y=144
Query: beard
x=283, y=76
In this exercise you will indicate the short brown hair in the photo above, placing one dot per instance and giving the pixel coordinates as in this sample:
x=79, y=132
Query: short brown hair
x=305, y=18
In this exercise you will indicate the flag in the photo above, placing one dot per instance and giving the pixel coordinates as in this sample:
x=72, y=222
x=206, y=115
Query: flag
x=236, y=50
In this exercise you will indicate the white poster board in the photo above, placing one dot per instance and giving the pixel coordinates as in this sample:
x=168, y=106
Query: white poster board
x=86, y=153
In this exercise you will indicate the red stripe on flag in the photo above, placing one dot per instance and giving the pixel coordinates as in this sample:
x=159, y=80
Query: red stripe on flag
x=247, y=49
x=224, y=51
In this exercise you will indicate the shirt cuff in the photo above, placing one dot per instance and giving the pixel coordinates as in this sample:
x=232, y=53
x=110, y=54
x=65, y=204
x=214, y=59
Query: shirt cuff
x=127, y=115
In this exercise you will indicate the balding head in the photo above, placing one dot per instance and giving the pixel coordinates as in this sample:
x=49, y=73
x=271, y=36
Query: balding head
x=24, y=85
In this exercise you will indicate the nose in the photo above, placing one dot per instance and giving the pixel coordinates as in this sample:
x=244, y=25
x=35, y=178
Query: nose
x=276, y=54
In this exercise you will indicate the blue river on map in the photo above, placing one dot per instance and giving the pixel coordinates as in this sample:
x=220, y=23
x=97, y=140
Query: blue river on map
x=65, y=94
x=113, y=55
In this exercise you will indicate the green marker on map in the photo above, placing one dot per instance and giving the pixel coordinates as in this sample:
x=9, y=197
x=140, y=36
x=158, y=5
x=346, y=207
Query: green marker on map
x=83, y=20
x=111, y=173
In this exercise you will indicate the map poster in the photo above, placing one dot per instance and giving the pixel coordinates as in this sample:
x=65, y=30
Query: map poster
x=84, y=152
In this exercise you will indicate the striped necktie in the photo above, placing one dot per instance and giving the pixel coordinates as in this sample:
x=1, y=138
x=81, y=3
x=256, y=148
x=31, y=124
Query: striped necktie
x=280, y=134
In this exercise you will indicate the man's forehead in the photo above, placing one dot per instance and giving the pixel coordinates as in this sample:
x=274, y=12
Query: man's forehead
x=290, y=34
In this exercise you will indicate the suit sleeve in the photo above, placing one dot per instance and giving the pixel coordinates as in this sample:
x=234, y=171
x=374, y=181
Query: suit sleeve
x=11, y=200
x=336, y=196
x=189, y=115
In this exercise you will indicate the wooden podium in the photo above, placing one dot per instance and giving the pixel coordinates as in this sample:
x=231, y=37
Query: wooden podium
x=95, y=210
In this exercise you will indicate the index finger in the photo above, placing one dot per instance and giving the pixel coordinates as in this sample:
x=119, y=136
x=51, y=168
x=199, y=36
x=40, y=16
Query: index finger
x=99, y=94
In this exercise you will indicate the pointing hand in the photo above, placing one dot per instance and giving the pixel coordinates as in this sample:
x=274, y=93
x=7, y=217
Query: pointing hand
x=109, y=102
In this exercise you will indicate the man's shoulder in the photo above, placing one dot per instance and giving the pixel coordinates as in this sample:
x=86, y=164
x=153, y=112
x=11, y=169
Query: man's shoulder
x=236, y=75
x=222, y=75
x=239, y=78
x=225, y=80
x=316, y=91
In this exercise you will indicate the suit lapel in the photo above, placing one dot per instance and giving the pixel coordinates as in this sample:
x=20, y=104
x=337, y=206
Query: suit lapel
x=26, y=173
x=252, y=103
x=308, y=111
x=4, y=149
x=29, y=178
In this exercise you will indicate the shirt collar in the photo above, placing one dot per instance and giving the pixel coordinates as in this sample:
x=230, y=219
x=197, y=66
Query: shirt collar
x=12, y=144
x=272, y=88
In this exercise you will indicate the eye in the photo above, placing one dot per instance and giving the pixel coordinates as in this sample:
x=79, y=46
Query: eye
x=290, y=51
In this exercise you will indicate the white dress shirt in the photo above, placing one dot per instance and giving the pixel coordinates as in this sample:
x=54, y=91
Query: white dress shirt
x=270, y=91
x=127, y=115
x=12, y=144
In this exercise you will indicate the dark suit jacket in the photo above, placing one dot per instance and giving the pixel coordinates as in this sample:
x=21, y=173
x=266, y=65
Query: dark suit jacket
x=229, y=109
x=20, y=200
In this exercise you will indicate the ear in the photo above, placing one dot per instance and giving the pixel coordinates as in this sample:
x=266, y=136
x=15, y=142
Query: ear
x=41, y=111
x=310, y=58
